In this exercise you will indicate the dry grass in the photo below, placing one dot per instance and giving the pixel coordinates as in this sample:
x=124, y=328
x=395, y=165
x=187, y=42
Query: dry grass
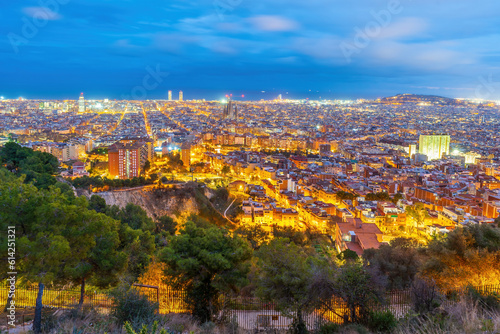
x=181, y=323
x=89, y=321
x=92, y=322
x=463, y=317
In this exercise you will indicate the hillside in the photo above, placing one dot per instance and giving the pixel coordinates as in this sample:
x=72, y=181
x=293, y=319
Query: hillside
x=177, y=203
x=414, y=98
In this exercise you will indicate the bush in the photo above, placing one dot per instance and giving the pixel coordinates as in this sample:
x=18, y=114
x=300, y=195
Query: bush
x=298, y=326
x=348, y=255
x=489, y=301
x=383, y=321
x=231, y=326
x=84, y=320
x=133, y=307
x=144, y=329
x=329, y=328
x=354, y=328
x=207, y=328
x=49, y=321
x=425, y=296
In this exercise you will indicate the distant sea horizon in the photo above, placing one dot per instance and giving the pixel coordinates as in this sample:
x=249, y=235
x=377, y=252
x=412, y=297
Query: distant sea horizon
x=208, y=95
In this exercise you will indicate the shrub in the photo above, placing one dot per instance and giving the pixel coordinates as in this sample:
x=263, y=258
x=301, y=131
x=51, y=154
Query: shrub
x=354, y=328
x=207, y=328
x=231, y=325
x=133, y=307
x=328, y=328
x=348, y=255
x=49, y=321
x=145, y=329
x=425, y=296
x=383, y=321
x=298, y=326
x=181, y=323
x=489, y=301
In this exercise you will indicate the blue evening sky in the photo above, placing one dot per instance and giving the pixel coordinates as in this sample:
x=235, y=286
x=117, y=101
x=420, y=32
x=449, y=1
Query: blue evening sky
x=299, y=48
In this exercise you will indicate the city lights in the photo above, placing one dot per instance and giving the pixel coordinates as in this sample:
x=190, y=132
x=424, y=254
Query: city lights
x=256, y=167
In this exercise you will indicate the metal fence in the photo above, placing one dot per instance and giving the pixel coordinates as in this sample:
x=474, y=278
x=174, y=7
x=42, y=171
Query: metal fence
x=253, y=313
x=65, y=298
x=249, y=312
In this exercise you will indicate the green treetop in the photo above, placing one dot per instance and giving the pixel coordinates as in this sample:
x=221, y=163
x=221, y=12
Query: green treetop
x=206, y=262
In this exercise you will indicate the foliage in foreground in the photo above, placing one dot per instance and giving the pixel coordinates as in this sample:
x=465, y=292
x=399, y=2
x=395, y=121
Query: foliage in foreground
x=284, y=277
x=461, y=317
x=488, y=301
x=144, y=329
x=98, y=181
x=61, y=241
x=205, y=261
x=468, y=255
x=398, y=263
x=38, y=167
x=133, y=308
x=382, y=321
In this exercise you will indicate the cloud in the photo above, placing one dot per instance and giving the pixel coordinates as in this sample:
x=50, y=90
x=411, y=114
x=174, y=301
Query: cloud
x=155, y=24
x=223, y=47
x=41, y=13
x=442, y=88
x=230, y=27
x=273, y=23
x=321, y=47
x=124, y=47
x=420, y=47
x=404, y=28
x=288, y=60
x=173, y=43
x=430, y=56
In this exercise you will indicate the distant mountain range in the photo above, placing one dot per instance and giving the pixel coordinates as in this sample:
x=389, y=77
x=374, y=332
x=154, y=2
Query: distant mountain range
x=414, y=98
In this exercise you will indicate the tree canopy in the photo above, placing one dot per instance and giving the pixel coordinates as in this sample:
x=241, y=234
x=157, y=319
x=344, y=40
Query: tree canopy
x=398, y=262
x=254, y=234
x=39, y=167
x=98, y=181
x=59, y=240
x=136, y=234
x=418, y=213
x=285, y=273
x=167, y=224
x=468, y=255
x=205, y=262
x=342, y=195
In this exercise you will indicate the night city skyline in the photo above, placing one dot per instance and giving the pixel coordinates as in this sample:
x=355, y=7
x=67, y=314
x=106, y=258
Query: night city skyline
x=250, y=167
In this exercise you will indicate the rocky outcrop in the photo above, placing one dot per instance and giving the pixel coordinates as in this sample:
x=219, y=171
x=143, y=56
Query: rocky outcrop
x=177, y=203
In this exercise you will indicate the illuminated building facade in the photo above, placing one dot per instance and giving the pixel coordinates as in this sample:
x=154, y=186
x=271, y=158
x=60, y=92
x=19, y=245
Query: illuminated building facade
x=491, y=209
x=412, y=150
x=186, y=154
x=81, y=103
x=126, y=158
x=170, y=95
x=434, y=146
x=230, y=111
x=181, y=96
x=471, y=157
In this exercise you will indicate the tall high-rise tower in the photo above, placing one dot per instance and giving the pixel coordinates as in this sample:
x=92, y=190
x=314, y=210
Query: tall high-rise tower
x=434, y=146
x=230, y=110
x=170, y=95
x=181, y=96
x=186, y=154
x=81, y=103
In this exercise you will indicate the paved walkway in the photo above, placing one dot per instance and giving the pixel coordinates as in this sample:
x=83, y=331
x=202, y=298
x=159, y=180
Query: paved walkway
x=19, y=329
